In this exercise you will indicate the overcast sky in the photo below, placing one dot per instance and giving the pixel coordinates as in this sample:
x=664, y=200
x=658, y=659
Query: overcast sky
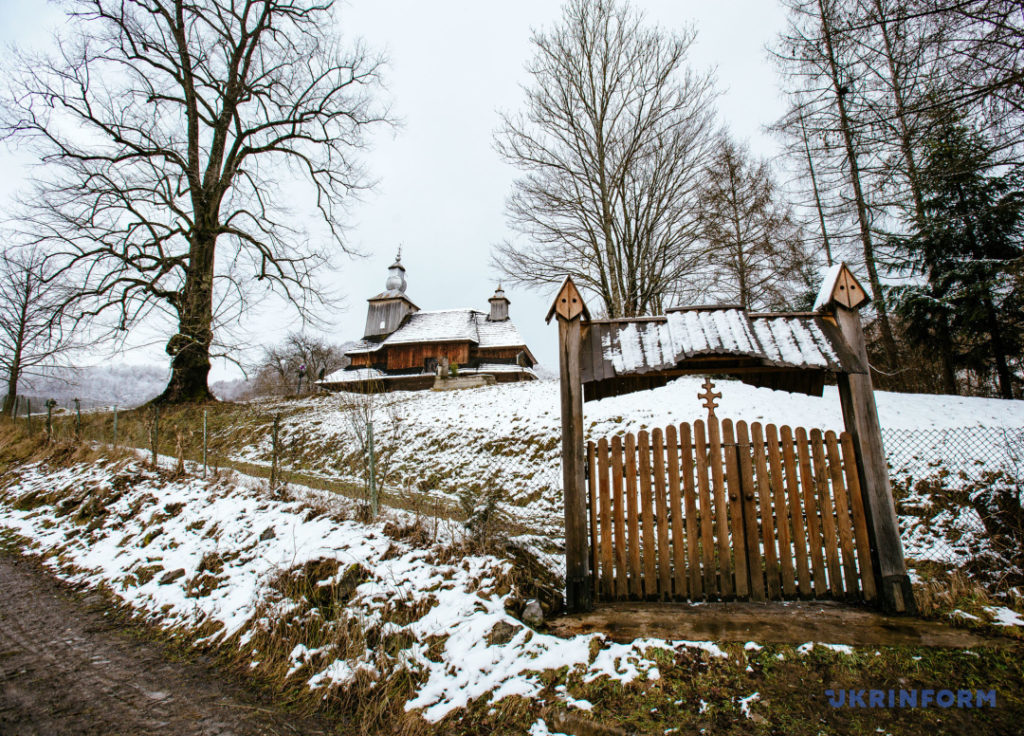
x=441, y=192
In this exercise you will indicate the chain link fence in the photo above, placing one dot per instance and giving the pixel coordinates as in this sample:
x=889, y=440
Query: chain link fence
x=959, y=495
x=958, y=491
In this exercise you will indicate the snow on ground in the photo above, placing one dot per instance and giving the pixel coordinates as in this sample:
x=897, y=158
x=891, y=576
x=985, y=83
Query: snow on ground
x=508, y=437
x=1003, y=616
x=197, y=553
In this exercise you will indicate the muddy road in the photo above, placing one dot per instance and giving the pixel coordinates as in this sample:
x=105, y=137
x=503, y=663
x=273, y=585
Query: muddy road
x=67, y=668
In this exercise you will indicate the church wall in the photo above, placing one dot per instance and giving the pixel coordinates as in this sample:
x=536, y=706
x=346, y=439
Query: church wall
x=400, y=357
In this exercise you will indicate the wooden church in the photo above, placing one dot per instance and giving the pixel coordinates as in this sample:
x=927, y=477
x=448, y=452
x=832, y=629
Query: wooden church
x=406, y=349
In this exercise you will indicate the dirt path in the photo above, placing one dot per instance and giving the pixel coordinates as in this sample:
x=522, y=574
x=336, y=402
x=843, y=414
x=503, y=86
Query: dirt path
x=65, y=668
x=789, y=622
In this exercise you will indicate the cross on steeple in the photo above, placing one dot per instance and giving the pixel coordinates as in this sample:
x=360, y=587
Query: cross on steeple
x=709, y=396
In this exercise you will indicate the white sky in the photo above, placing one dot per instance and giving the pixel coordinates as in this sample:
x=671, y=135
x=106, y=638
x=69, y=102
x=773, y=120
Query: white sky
x=442, y=187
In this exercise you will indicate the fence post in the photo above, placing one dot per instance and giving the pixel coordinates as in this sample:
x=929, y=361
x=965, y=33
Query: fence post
x=204, y=443
x=273, y=456
x=115, y=426
x=14, y=407
x=78, y=419
x=571, y=312
x=50, y=403
x=156, y=432
x=373, y=480
x=28, y=414
x=842, y=296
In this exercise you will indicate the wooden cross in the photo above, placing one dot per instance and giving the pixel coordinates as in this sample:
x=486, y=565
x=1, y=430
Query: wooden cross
x=709, y=397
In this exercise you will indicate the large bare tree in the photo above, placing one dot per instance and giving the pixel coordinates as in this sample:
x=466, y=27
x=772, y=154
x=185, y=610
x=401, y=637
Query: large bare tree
x=34, y=337
x=163, y=126
x=611, y=147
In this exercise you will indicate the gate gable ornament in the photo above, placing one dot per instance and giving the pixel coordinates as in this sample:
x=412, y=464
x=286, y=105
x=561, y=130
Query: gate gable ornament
x=837, y=306
x=840, y=288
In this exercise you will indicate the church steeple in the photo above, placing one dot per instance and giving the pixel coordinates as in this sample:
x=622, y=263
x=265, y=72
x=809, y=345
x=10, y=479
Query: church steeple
x=499, y=306
x=388, y=309
x=396, y=275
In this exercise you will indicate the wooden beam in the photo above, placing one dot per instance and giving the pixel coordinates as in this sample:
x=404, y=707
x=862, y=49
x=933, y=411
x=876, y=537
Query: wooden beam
x=860, y=415
x=578, y=582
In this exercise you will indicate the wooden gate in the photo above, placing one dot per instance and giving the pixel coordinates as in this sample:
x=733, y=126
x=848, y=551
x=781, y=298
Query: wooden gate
x=716, y=512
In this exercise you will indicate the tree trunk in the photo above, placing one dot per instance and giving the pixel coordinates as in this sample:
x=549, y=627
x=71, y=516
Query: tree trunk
x=946, y=357
x=12, y=394
x=817, y=196
x=15, y=371
x=998, y=351
x=190, y=347
x=888, y=341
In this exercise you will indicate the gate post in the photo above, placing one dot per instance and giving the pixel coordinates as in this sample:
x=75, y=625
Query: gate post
x=843, y=295
x=571, y=311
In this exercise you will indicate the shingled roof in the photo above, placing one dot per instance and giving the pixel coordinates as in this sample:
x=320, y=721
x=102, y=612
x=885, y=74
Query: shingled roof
x=449, y=325
x=792, y=351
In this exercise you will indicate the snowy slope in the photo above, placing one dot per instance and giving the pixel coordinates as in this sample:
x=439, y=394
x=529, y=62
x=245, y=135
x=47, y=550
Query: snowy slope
x=509, y=435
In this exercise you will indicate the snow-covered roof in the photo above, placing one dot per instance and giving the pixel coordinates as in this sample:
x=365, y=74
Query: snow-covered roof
x=349, y=375
x=448, y=325
x=443, y=325
x=614, y=348
x=363, y=346
x=501, y=334
x=498, y=368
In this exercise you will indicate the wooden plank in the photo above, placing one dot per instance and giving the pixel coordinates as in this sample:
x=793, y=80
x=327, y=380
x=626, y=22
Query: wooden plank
x=721, y=509
x=835, y=469
x=801, y=551
x=606, y=587
x=661, y=516
x=766, y=514
x=690, y=512
x=748, y=502
x=633, y=523
x=679, y=586
x=650, y=550
x=828, y=520
x=811, y=513
x=618, y=521
x=707, y=541
x=592, y=493
x=733, y=504
x=782, y=522
x=860, y=523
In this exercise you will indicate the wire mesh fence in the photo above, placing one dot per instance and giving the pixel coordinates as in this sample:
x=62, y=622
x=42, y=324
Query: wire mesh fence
x=959, y=495
x=958, y=491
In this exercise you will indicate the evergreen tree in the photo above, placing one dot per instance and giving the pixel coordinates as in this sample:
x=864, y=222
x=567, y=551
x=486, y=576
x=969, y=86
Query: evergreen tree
x=968, y=248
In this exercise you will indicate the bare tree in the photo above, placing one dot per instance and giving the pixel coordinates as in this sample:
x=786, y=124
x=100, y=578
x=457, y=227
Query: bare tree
x=611, y=145
x=33, y=337
x=822, y=66
x=161, y=125
x=378, y=424
x=313, y=355
x=755, y=248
